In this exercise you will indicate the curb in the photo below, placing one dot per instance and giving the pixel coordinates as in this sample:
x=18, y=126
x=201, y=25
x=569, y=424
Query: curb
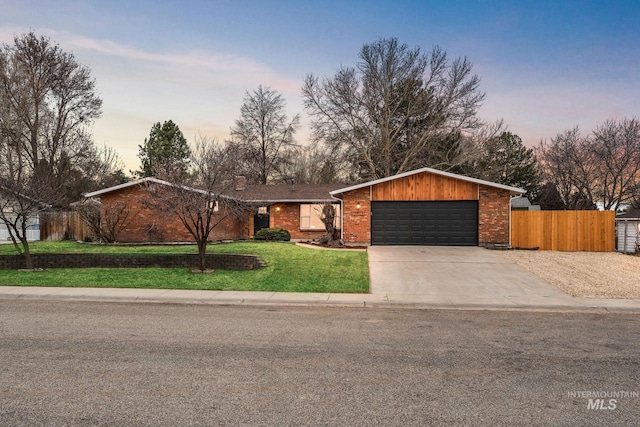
x=227, y=298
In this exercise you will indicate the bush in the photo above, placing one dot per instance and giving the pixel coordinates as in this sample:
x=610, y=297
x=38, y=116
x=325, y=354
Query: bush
x=273, y=234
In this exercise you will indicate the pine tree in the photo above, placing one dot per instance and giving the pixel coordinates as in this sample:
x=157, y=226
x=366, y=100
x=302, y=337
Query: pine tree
x=164, y=152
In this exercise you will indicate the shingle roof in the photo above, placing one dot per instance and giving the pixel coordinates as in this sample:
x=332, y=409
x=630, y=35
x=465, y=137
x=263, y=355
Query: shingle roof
x=137, y=182
x=520, y=202
x=271, y=193
x=630, y=214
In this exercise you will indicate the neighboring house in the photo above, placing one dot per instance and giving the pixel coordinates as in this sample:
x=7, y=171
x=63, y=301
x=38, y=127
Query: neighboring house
x=523, y=204
x=628, y=231
x=427, y=207
x=33, y=222
x=33, y=230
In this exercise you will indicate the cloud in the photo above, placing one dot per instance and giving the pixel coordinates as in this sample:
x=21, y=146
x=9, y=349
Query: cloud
x=227, y=68
x=202, y=91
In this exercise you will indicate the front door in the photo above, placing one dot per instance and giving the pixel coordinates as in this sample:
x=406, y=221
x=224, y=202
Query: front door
x=261, y=219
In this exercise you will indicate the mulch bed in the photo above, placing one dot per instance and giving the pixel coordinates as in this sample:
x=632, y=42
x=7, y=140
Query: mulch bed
x=326, y=246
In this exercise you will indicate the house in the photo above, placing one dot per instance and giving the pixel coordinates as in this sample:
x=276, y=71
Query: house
x=420, y=207
x=290, y=206
x=14, y=207
x=33, y=229
x=628, y=231
x=523, y=204
x=427, y=207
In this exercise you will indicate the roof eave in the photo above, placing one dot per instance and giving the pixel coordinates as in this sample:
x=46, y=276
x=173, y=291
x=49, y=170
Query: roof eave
x=289, y=201
x=512, y=190
x=137, y=182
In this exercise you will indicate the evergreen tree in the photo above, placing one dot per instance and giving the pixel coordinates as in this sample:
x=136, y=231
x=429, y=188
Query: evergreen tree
x=165, y=152
x=507, y=161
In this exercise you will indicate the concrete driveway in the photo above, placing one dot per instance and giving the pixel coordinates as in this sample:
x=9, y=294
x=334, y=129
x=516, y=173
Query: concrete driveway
x=457, y=276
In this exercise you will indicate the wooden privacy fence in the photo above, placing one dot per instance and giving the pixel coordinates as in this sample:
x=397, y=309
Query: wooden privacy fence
x=586, y=231
x=63, y=226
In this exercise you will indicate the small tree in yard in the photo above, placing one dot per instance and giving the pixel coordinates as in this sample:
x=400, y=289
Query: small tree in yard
x=198, y=198
x=107, y=225
x=16, y=210
x=328, y=218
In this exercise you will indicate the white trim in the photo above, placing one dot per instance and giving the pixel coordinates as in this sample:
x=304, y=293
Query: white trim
x=140, y=181
x=289, y=201
x=341, y=203
x=514, y=190
x=125, y=185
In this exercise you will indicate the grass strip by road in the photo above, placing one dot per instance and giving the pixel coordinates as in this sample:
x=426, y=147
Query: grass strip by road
x=290, y=268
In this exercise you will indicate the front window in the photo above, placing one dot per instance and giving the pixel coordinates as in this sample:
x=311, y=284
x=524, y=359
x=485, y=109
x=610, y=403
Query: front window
x=310, y=217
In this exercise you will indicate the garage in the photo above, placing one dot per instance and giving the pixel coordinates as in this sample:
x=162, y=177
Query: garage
x=431, y=223
x=427, y=207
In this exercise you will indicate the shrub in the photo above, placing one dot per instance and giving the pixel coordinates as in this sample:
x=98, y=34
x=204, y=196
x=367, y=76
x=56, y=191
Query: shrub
x=273, y=234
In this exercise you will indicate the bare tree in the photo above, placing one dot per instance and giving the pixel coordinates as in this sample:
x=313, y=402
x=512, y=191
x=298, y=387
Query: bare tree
x=565, y=162
x=107, y=169
x=395, y=109
x=50, y=102
x=263, y=135
x=47, y=103
x=328, y=218
x=602, y=168
x=18, y=211
x=616, y=144
x=314, y=164
x=198, y=199
x=105, y=224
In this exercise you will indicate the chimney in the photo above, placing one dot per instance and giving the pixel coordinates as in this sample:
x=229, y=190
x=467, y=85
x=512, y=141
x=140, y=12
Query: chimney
x=293, y=185
x=241, y=183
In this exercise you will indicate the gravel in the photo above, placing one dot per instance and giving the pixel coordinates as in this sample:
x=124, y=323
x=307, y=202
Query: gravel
x=584, y=274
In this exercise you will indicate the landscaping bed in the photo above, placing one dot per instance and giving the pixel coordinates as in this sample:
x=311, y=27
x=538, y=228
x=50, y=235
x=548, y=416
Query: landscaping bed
x=584, y=274
x=288, y=268
x=100, y=260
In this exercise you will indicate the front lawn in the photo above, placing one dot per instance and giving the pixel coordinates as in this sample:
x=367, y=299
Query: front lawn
x=289, y=268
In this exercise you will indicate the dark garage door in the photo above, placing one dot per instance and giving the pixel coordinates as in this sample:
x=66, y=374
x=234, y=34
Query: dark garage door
x=450, y=223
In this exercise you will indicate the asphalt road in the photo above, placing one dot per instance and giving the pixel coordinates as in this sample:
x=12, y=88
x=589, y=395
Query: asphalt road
x=80, y=363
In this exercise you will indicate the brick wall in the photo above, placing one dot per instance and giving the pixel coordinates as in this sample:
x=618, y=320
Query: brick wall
x=151, y=225
x=356, y=206
x=80, y=260
x=494, y=207
x=287, y=216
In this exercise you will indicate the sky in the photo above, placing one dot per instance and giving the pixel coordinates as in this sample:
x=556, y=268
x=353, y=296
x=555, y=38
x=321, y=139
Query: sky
x=545, y=66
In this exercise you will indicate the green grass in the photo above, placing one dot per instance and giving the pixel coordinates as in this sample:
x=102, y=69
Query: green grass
x=289, y=268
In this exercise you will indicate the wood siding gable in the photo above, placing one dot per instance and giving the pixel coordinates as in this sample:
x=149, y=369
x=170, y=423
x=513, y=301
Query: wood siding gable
x=424, y=186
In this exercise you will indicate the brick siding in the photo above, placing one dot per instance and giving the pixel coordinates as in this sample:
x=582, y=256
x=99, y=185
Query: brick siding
x=151, y=225
x=494, y=213
x=357, y=220
x=287, y=216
